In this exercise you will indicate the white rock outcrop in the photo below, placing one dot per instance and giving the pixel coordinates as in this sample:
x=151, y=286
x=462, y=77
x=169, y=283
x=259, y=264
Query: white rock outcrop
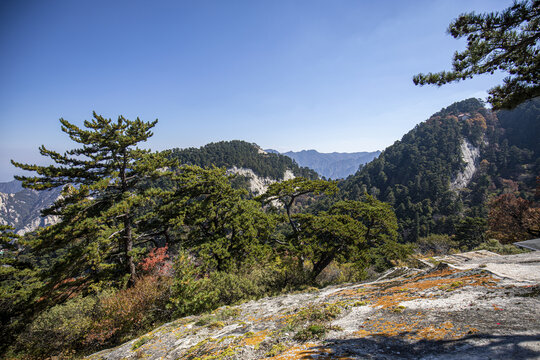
x=470, y=155
x=22, y=209
x=257, y=184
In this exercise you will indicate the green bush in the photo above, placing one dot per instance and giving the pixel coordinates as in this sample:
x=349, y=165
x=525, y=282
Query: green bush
x=194, y=292
x=388, y=255
x=60, y=328
x=316, y=313
x=314, y=331
x=140, y=342
x=191, y=291
x=436, y=244
x=495, y=246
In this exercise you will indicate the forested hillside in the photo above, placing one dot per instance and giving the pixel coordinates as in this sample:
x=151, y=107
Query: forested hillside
x=447, y=168
x=242, y=155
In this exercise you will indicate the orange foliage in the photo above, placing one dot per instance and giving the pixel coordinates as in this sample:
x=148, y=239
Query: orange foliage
x=129, y=310
x=477, y=119
x=513, y=219
x=156, y=262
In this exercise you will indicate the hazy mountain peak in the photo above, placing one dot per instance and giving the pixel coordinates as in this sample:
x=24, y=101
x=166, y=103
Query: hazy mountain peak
x=334, y=165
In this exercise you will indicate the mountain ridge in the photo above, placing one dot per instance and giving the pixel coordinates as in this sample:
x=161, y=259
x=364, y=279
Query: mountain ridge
x=334, y=165
x=21, y=208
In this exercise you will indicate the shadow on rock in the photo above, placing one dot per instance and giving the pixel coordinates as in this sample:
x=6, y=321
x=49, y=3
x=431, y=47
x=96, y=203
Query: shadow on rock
x=478, y=346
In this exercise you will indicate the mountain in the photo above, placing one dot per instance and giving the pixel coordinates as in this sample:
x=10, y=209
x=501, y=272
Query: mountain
x=258, y=167
x=242, y=154
x=21, y=207
x=331, y=165
x=11, y=187
x=448, y=166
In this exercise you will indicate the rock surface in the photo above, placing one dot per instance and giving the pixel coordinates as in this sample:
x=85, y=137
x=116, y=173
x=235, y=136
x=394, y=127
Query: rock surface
x=453, y=311
x=470, y=155
x=257, y=184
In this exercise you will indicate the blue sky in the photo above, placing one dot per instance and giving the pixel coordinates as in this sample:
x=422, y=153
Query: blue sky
x=289, y=75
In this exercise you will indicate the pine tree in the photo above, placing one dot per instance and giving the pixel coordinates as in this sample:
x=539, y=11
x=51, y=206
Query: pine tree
x=287, y=192
x=506, y=41
x=105, y=190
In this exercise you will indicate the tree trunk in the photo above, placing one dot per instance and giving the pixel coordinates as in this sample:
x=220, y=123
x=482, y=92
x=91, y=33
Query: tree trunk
x=320, y=265
x=128, y=236
x=128, y=247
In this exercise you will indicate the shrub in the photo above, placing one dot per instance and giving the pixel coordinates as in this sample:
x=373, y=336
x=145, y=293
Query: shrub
x=317, y=313
x=191, y=291
x=60, y=328
x=495, y=246
x=140, y=342
x=156, y=262
x=337, y=273
x=127, y=312
x=277, y=349
x=194, y=292
x=314, y=331
x=388, y=255
x=232, y=288
x=436, y=244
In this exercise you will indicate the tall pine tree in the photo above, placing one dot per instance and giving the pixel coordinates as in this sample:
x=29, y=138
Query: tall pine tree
x=106, y=192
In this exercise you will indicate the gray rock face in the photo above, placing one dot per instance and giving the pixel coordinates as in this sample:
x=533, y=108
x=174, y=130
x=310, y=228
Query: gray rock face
x=21, y=207
x=446, y=312
x=257, y=184
x=470, y=155
x=331, y=165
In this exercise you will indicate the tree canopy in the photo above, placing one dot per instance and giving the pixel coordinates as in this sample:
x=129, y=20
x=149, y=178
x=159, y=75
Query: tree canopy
x=103, y=197
x=505, y=41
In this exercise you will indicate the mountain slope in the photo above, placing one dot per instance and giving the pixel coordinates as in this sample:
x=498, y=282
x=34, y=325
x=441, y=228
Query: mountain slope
x=11, y=187
x=446, y=167
x=331, y=165
x=242, y=154
x=410, y=314
x=21, y=207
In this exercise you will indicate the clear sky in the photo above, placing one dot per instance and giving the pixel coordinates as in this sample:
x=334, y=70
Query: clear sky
x=333, y=75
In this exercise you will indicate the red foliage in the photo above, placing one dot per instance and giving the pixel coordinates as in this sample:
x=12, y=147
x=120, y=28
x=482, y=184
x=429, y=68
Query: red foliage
x=156, y=262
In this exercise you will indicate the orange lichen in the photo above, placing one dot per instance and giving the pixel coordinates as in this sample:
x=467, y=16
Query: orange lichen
x=414, y=330
x=308, y=351
x=255, y=339
x=419, y=287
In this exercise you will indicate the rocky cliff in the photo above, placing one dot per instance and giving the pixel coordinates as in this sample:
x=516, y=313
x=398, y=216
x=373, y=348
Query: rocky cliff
x=21, y=207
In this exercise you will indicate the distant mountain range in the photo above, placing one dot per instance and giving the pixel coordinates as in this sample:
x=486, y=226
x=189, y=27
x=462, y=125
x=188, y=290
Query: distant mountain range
x=20, y=207
x=330, y=165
